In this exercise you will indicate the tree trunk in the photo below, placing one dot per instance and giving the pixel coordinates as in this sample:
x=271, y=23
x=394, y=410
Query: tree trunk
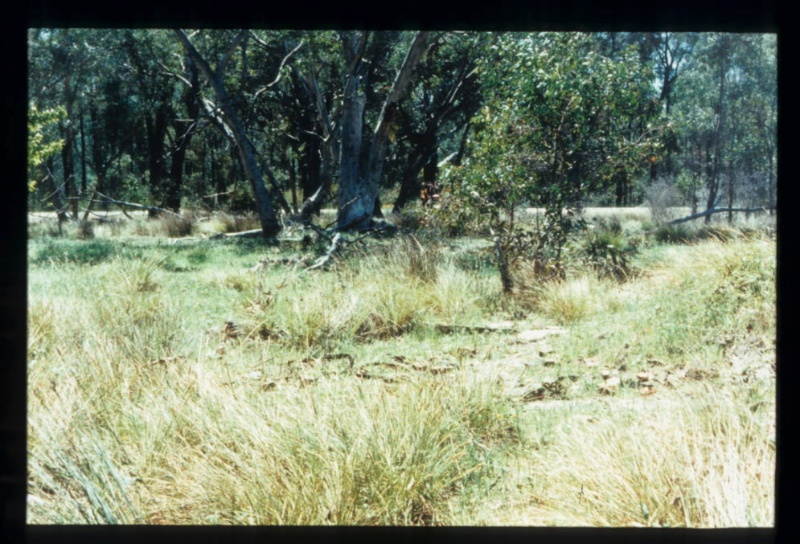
x=57, y=195
x=712, y=182
x=417, y=160
x=174, y=191
x=356, y=200
x=310, y=166
x=360, y=179
x=730, y=192
x=83, y=159
x=269, y=221
x=68, y=162
x=770, y=183
x=156, y=134
x=184, y=133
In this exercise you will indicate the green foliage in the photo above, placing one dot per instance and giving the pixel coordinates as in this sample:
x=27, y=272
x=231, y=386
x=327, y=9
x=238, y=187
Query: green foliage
x=560, y=123
x=608, y=251
x=41, y=145
x=673, y=234
x=75, y=252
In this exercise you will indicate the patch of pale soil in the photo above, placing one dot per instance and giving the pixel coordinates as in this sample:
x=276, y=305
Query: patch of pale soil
x=509, y=370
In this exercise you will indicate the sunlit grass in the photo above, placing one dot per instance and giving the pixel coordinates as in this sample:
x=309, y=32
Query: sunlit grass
x=185, y=384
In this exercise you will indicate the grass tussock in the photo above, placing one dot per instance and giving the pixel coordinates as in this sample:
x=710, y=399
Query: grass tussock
x=141, y=323
x=704, y=460
x=367, y=298
x=181, y=384
x=229, y=222
x=566, y=302
x=392, y=460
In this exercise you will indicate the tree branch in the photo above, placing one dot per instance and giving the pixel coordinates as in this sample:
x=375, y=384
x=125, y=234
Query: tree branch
x=280, y=68
x=719, y=210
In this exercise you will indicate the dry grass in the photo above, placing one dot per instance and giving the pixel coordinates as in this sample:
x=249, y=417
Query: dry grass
x=700, y=458
x=147, y=407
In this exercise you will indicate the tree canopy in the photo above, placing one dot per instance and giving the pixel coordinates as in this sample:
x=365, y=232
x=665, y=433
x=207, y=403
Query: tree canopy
x=284, y=122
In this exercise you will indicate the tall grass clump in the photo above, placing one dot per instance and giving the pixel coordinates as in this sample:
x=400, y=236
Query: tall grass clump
x=176, y=226
x=231, y=222
x=75, y=476
x=345, y=453
x=709, y=290
x=566, y=301
x=135, y=313
x=704, y=460
x=608, y=251
x=371, y=296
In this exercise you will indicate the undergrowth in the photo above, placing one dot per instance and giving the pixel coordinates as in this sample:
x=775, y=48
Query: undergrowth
x=184, y=385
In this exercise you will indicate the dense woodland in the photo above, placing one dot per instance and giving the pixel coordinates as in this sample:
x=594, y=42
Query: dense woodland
x=284, y=123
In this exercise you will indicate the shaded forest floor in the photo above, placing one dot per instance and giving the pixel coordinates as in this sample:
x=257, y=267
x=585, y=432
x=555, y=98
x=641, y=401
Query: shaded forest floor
x=174, y=379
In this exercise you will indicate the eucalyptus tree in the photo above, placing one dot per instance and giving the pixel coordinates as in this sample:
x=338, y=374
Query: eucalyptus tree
x=228, y=120
x=560, y=122
x=362, y=159
x=434, y=118
x=726, y=114
x=80, y=71
x=56, y=72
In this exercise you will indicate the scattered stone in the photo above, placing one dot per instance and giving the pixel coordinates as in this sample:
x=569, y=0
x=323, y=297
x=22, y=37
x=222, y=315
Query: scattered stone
x=643, y=377
x=307, y=379
x=549, y=362
x=536, y=392
x=269, y=386
x=539, y=334
x=589, y=362
x=166, y=360
x=545, y=350
x=555, y=386
x=647, y=389
x=609, y=386
x=229, y=331
x=700, y=374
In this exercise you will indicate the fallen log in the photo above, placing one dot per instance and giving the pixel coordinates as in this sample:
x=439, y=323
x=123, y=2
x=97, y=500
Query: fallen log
x=718, y=210
x=241, y=234
x=135, y=206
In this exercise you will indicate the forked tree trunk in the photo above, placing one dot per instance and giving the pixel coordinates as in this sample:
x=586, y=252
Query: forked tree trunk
x=361, y=168
x=269, y=222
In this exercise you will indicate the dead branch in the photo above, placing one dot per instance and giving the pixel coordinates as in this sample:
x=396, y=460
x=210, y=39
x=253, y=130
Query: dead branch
x=241, y=234
x=334, y=247
x=719, y=210
x=135, y=206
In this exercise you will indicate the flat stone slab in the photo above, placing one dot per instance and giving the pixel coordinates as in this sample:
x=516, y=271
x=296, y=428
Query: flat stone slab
x=539, y=334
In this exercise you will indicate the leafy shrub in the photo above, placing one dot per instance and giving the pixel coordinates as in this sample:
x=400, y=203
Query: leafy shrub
x=673, y=234
x=608, y=251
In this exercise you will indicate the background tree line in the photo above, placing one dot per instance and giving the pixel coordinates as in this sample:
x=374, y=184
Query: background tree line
x=286, y=122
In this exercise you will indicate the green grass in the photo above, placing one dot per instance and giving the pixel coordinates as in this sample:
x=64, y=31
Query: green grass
x=181, y=383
